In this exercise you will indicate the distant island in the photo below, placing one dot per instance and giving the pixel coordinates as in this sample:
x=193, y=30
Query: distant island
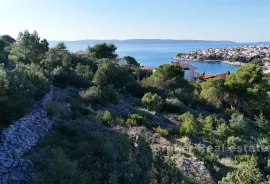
x=142, y=41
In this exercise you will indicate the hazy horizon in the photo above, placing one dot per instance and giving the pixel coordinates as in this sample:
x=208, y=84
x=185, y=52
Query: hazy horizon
x=229, y=20
x=84, y=40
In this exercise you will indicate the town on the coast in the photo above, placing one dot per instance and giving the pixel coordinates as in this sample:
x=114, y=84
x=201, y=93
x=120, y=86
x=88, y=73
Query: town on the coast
x=230, y=55
x=233, y=54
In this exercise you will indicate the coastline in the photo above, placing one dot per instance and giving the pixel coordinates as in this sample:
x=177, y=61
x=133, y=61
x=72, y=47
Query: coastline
x=197, y=60
x=237, y=63
x=234, y=63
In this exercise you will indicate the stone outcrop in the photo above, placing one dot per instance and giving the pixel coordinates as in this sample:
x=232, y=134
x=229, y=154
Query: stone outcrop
x=20, y=137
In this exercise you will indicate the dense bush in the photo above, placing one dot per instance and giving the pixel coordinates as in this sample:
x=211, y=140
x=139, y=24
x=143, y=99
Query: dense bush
x=3, y=59
x=60, y=170
x=3, y=53
x=102, y=50
x=56, y=57
x=223, y=130
x=175, y=106
x=25, y=81
x=110, y=94
x=233, y=142
x=29, y=48
x=110, y=120
x=92, y=95
x=141, y=74
x=208, y=126
x=186, y=95
x=135, y=119
x=238, y=122
x=107, y=118
x=165, y=169
x=4, y=87
x=161, y=131
x=209, y=157
x=111, y=73
x=89, y=155
x=68, y=78
x=166, y=77
x=246, y=173
x=213, y=91
x=84, y=71
x=31, y=78
x=188, y=126
x=153, y=102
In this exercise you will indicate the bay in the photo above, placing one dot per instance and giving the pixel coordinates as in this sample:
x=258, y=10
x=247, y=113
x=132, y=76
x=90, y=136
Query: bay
x=153, y=55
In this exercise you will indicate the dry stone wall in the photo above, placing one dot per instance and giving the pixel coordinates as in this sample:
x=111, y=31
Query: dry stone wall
x=20, y=137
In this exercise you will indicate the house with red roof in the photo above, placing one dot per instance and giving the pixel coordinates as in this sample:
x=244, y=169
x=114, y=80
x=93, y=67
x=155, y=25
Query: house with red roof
x=209, y=76
x=148, y=68
x=80, y=52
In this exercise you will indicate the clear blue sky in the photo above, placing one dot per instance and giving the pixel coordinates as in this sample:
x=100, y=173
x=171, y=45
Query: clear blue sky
x=236, y=20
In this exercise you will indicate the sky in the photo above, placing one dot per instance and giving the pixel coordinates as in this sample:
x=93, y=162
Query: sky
x=234, y=20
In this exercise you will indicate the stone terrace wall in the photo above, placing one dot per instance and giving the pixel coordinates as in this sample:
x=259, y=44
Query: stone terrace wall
x=20, y=137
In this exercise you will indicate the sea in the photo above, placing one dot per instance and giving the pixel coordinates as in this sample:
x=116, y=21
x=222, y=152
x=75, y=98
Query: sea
x=153, y=55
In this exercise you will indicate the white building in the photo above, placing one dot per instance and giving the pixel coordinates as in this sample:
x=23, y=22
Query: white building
x=121, y=61
x=190, y=71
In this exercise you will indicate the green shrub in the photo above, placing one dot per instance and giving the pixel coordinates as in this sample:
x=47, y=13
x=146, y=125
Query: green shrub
x=174, y=105
x=208, y=126
x=24, y=81
x=238, y=122
x=161, y=131
x=4, y=87
x=262, y=122
x=209, y=157
x=223, y=130
x=110, y=120
x=4, y=84
x=84, y=71
x=31, y=79
x=188, y=124
x=135, y=119
x=107, y=118
x=89, y=154
x=91, y=95
x=111, y=73
x=64, y=170
x=153, y=102
x=247, y=172
x=233, y=142
x=110, y=94
x=3, y=59
x=165, y=170
x=119, y=121
x=68, y=78
x=184, y=95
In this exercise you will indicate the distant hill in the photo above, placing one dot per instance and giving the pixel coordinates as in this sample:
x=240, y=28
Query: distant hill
x=142, y=41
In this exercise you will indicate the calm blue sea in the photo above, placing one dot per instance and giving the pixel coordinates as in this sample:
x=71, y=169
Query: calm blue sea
x=153, y=55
